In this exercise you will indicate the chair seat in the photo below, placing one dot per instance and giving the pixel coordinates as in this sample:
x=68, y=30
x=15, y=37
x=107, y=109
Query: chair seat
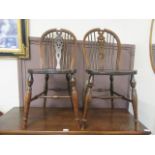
x=110, y=72
x=51, y=71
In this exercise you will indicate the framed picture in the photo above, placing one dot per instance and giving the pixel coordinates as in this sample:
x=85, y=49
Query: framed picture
x=14, y=38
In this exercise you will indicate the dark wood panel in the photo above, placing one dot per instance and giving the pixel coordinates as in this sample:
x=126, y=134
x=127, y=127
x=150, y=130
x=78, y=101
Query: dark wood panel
x=54, y=120
x=121, y=84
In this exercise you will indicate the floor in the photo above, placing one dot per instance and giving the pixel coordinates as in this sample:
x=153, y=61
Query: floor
x=61, y=121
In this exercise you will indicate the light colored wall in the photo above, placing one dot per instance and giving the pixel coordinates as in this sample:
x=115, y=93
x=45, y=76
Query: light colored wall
x=130, y=31
x=9, y=95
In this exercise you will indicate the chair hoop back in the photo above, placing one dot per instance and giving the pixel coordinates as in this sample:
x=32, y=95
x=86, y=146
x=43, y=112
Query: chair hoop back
x=58, y=49
x=101, y=49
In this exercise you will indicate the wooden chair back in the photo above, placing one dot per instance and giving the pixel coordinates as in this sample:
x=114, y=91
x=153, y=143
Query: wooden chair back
x=101, y=49
x=58, y=49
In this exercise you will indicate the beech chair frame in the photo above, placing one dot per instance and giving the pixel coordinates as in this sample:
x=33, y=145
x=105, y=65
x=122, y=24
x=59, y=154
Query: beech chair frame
x=57, y=56
x=102, y=53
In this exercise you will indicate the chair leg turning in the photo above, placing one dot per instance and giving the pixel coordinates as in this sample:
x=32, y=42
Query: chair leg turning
x=87, y=100
x=134, y=98
x=74, y=97
x=45, y=89
x=27, y=99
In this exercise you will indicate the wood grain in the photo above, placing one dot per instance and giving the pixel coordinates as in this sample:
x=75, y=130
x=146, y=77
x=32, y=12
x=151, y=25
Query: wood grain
x=54, y=120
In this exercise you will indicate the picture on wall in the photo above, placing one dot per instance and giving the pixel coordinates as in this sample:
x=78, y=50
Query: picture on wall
x=14, y=38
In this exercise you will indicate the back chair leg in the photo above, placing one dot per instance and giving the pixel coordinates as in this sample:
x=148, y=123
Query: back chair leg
x=45, y=89
x=68, y=82
x=74, y=97
x=84, y=93
x=134, y=97
x=87, y=100
x=27, y=99
x=112, y=90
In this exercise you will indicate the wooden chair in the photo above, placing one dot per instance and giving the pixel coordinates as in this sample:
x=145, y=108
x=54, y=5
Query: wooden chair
x=102, y=51
x=57, y=53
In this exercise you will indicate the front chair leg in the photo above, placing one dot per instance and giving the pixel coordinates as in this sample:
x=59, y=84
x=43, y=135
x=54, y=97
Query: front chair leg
x=134, y=97
x=87, y=100
x=74, y=96
x=27, y=98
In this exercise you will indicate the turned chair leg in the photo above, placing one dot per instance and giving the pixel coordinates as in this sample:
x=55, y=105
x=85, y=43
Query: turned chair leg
x=87, y=100
x=134, y=97
x=45, y=90
x=74, y=97
x=112, y=90
x=27, y=99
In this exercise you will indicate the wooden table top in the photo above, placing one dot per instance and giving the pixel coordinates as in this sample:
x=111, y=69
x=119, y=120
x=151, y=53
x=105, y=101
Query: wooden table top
x=61, y=121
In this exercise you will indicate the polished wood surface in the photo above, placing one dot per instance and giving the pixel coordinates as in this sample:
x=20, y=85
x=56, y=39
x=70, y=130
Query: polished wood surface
x=55, y=120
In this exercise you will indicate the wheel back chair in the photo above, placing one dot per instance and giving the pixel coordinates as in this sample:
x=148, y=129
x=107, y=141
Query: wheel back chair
x=57, y=53
x=102, y=51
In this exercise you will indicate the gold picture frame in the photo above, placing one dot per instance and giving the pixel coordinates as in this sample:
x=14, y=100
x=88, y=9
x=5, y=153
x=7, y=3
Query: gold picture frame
x=14, y=38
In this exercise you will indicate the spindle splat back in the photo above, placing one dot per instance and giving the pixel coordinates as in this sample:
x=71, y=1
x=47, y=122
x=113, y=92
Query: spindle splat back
x=57, y=49
x=101, y=49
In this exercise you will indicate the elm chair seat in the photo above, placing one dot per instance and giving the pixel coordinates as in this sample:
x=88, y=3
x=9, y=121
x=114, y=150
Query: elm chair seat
x=51, y=71
x=110, y=72
x=57, y=56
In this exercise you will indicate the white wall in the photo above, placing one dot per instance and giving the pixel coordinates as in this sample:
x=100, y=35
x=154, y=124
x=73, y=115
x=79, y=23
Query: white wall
x=130, y=31
x=9, y=95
